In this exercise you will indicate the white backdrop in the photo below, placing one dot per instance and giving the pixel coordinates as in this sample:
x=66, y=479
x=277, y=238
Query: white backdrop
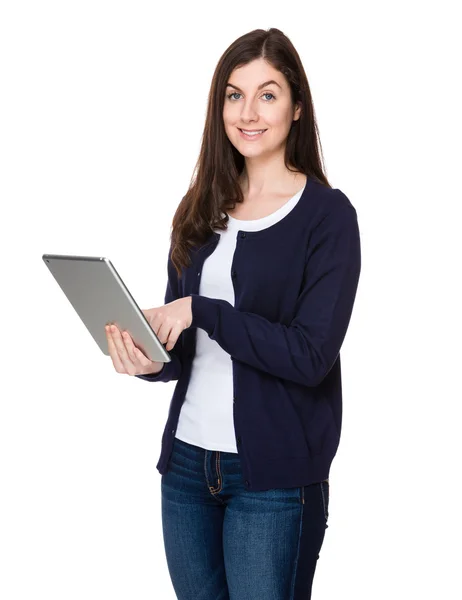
x=102, y=109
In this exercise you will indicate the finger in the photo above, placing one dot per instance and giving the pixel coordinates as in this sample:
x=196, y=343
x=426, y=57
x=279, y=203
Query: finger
x=135, y=354
x=162, y=330
x=173, y=336
x=166, y=329
x=118, y=365
x=149, y=313
x=122, y=351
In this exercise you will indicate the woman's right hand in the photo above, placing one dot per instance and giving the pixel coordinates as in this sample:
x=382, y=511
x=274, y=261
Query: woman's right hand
x=126, y=357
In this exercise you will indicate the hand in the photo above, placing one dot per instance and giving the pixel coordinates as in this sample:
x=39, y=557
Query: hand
x=169, y=320
x=126, y=357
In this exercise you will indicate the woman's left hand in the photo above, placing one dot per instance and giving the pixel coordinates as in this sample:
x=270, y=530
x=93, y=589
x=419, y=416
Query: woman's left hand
x=169, y=320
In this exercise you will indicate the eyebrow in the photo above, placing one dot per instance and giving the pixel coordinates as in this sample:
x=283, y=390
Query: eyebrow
x=259, y=87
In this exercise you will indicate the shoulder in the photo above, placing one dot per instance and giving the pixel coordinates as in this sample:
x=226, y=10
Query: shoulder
x=330, y=201
x=332, y=216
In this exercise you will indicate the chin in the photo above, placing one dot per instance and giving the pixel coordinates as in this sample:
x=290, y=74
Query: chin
x=249, y=153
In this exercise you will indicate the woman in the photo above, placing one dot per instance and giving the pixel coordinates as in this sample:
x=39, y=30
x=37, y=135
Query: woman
x=262, y=275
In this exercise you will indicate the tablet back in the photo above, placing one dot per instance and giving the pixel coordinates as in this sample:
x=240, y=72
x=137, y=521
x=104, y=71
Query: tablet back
x=99, y=296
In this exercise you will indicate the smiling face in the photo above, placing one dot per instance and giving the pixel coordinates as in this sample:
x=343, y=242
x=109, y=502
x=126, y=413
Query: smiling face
x=258, y=97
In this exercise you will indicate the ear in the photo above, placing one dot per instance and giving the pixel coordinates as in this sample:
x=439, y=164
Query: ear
x=297, y=111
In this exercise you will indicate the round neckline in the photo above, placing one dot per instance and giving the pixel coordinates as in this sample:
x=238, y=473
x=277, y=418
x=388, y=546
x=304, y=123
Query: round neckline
x=290, y=217
x=273, y=214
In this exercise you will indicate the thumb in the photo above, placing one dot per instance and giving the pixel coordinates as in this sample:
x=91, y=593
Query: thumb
x=149, y=313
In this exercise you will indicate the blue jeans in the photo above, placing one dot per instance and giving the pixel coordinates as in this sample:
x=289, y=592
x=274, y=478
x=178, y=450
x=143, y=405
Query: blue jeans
x=225, y=542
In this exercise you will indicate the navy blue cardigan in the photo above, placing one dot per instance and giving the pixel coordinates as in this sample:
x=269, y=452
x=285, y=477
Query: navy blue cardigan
x=295, y=284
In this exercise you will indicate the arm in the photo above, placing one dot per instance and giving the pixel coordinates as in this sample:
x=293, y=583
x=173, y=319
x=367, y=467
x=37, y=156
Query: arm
x=171, y=371
x=305, y=350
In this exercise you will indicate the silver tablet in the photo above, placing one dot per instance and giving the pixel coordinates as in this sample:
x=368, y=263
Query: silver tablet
x=99, y=296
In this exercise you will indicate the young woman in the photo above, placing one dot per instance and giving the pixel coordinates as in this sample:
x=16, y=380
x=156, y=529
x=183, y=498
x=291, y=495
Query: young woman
x=262, y=276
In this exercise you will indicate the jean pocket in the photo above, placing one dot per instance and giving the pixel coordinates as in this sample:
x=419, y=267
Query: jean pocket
x=325, y=497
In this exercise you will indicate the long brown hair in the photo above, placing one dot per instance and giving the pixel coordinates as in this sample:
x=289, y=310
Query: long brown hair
x=215, y=187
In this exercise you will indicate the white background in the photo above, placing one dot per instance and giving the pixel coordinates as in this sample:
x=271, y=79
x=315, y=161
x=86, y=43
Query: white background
x=102, y=109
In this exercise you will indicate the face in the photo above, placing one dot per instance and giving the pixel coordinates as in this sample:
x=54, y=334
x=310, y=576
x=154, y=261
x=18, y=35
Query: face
x=250, y=105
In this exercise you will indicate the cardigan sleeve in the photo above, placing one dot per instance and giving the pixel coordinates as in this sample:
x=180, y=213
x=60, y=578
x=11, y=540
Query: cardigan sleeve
x=305, y=350
x=171, y=371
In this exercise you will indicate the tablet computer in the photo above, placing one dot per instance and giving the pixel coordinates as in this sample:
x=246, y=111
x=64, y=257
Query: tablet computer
x=99, y=296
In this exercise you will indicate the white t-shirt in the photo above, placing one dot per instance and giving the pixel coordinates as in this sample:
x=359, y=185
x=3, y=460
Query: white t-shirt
x=206, y=417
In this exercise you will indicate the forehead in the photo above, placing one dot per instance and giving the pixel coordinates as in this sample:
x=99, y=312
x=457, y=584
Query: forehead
x=255, y=73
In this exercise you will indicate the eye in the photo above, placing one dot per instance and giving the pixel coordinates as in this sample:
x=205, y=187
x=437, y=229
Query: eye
x=265, y=94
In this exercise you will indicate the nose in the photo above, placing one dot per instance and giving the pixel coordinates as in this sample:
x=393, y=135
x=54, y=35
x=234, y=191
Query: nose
x=249, y=112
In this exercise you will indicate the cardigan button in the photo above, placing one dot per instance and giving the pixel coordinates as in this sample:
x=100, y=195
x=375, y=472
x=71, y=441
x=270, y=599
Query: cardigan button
x=233, y=274
x=238, y=441
x=247, y=483
x=242, y=234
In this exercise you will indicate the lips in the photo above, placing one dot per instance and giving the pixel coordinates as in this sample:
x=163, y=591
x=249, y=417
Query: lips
x=251, y=137
x=252, y=130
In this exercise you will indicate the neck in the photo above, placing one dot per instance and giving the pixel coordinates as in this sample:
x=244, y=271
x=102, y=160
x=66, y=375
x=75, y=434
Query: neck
x=263, y=176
